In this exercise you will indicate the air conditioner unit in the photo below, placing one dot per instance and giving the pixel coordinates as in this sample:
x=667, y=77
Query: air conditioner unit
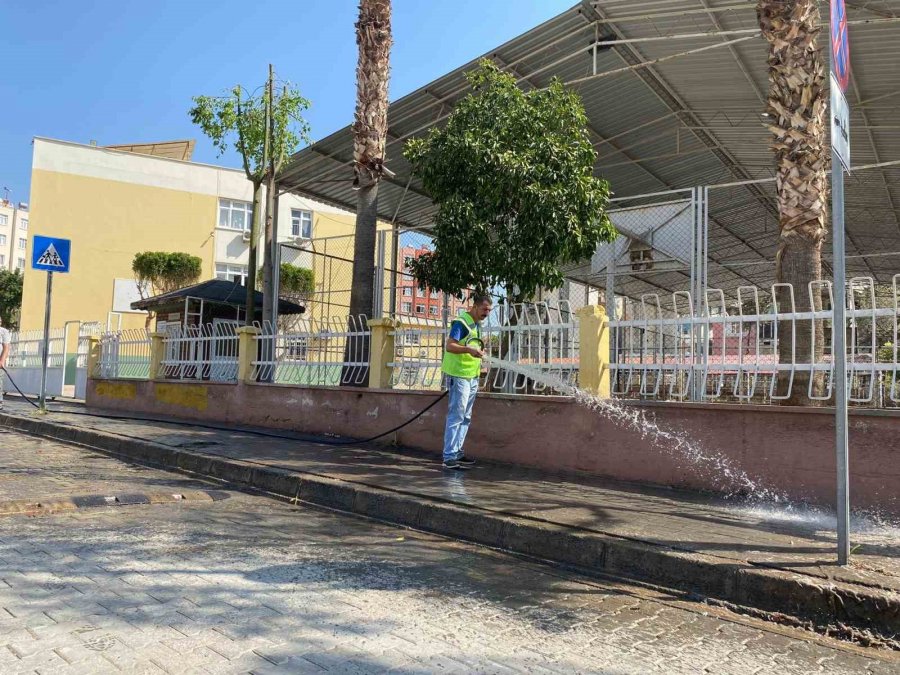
x=245, y=236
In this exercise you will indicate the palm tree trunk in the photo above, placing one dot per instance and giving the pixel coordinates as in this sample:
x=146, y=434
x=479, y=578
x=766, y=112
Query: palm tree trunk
x=373, y=36
x=797, y=118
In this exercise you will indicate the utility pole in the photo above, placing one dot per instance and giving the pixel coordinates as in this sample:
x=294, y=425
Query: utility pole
x=270, y=237
x=269, y=257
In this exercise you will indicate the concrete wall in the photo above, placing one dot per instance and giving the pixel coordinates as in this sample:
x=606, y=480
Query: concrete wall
x=788, y=450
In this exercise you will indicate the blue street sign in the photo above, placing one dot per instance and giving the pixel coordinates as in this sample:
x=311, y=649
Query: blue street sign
x=50, y=254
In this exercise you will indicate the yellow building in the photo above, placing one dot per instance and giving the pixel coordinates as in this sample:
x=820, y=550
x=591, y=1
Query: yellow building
x=114, y=202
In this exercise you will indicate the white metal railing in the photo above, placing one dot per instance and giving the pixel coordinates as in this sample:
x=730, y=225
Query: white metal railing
x=541, y=336
x=124, y=354
x=749, y=347
x=319, y=352
x=202, y=352
x=27, y=348
x=418, y=353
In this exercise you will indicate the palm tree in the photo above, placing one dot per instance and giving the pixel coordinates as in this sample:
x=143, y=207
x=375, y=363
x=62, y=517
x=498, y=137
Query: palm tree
x=797, y=117
x=373, y=35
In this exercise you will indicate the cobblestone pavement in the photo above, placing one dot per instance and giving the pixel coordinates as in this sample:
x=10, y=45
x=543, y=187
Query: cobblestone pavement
x=787, y=537
x=247, y=584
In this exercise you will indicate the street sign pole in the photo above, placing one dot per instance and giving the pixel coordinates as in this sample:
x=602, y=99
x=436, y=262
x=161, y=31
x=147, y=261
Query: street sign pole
x=45, y=353
x=50, y=255
x=840, y=361
x=839, y=111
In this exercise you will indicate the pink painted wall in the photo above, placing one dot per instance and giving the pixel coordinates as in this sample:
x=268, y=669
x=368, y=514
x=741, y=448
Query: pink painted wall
x=788, y=449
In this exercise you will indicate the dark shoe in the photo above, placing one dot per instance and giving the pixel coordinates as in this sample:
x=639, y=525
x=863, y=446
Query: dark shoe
x=455, y=465
x=466, y=461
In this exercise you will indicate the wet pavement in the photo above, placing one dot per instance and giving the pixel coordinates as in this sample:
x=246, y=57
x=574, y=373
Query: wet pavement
x=796, y=539
x=248, y=584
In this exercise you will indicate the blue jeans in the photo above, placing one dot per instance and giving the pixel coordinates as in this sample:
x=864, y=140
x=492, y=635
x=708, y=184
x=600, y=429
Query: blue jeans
x=459, y=414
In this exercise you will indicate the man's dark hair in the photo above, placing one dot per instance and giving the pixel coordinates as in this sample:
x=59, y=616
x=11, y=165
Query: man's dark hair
x=478, y=298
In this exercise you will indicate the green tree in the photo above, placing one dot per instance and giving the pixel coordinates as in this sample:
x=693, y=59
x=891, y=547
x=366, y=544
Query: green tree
x=10, y=298
x=264, y=129
x=512, y=175
x=158, y=272
x=296, y=282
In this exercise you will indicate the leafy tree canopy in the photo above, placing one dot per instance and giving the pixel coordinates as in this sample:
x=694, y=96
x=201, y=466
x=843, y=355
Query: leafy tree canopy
x=239, y=119
x=10, y=298
x=296, y=281
x=158, y=272
x=512, y=176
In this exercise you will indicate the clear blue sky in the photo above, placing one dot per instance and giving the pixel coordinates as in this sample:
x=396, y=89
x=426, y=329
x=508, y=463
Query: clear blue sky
x=122, y=71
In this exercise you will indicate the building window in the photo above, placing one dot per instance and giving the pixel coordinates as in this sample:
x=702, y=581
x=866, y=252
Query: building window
x=301, y=223
x=23, y=243
x=2, y=240
x=4, y=219
x=435, y=294
x=433, y=310
x=20, y=264
x=295, y=348
x=407, y=339
x=406, y=307
x=233, y=273
x=235, y=215
x=733, y=329
x=420, y=309
x=23, y=223
x=407, y=291
x=2, y=261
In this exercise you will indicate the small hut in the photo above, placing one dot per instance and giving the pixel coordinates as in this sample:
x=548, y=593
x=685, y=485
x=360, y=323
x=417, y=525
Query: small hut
x=212, y=302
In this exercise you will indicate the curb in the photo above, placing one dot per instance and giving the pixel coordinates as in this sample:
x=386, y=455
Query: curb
x=823, y=602
x=42, y=507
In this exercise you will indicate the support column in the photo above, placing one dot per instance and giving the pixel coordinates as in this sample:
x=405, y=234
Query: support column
x=157, y=354
x=246, y=352
x=93, y=358
x=382, y=352
x=593, y=334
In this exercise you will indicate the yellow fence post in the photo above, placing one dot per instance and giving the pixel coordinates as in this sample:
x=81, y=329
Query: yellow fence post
x=157, y=351
x=93, y=357
x=593, y=333
x=246, y=352
x=381, y=352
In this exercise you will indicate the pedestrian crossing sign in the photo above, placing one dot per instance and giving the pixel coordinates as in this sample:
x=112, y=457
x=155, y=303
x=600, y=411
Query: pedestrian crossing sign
x=50, y=254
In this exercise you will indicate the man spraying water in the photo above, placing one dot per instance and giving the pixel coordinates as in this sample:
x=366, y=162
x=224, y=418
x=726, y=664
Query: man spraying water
x=462, y=366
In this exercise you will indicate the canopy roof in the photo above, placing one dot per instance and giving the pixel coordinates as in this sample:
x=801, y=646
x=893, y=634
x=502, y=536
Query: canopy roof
x=215, y=292
x=674, y=91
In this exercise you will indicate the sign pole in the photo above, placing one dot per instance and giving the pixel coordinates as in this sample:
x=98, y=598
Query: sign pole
x=45, y=355
x=840, y=362
x=839, y=112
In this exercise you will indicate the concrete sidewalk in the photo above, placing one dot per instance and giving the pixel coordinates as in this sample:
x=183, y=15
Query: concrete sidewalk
x=766, y=557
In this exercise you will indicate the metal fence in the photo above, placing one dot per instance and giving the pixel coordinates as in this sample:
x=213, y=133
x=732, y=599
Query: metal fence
x=747, y=349
x=317, y=353
x=27, y=349
x=542, y=336
x=124, y=354
x=25, y=360
x=203, y=352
